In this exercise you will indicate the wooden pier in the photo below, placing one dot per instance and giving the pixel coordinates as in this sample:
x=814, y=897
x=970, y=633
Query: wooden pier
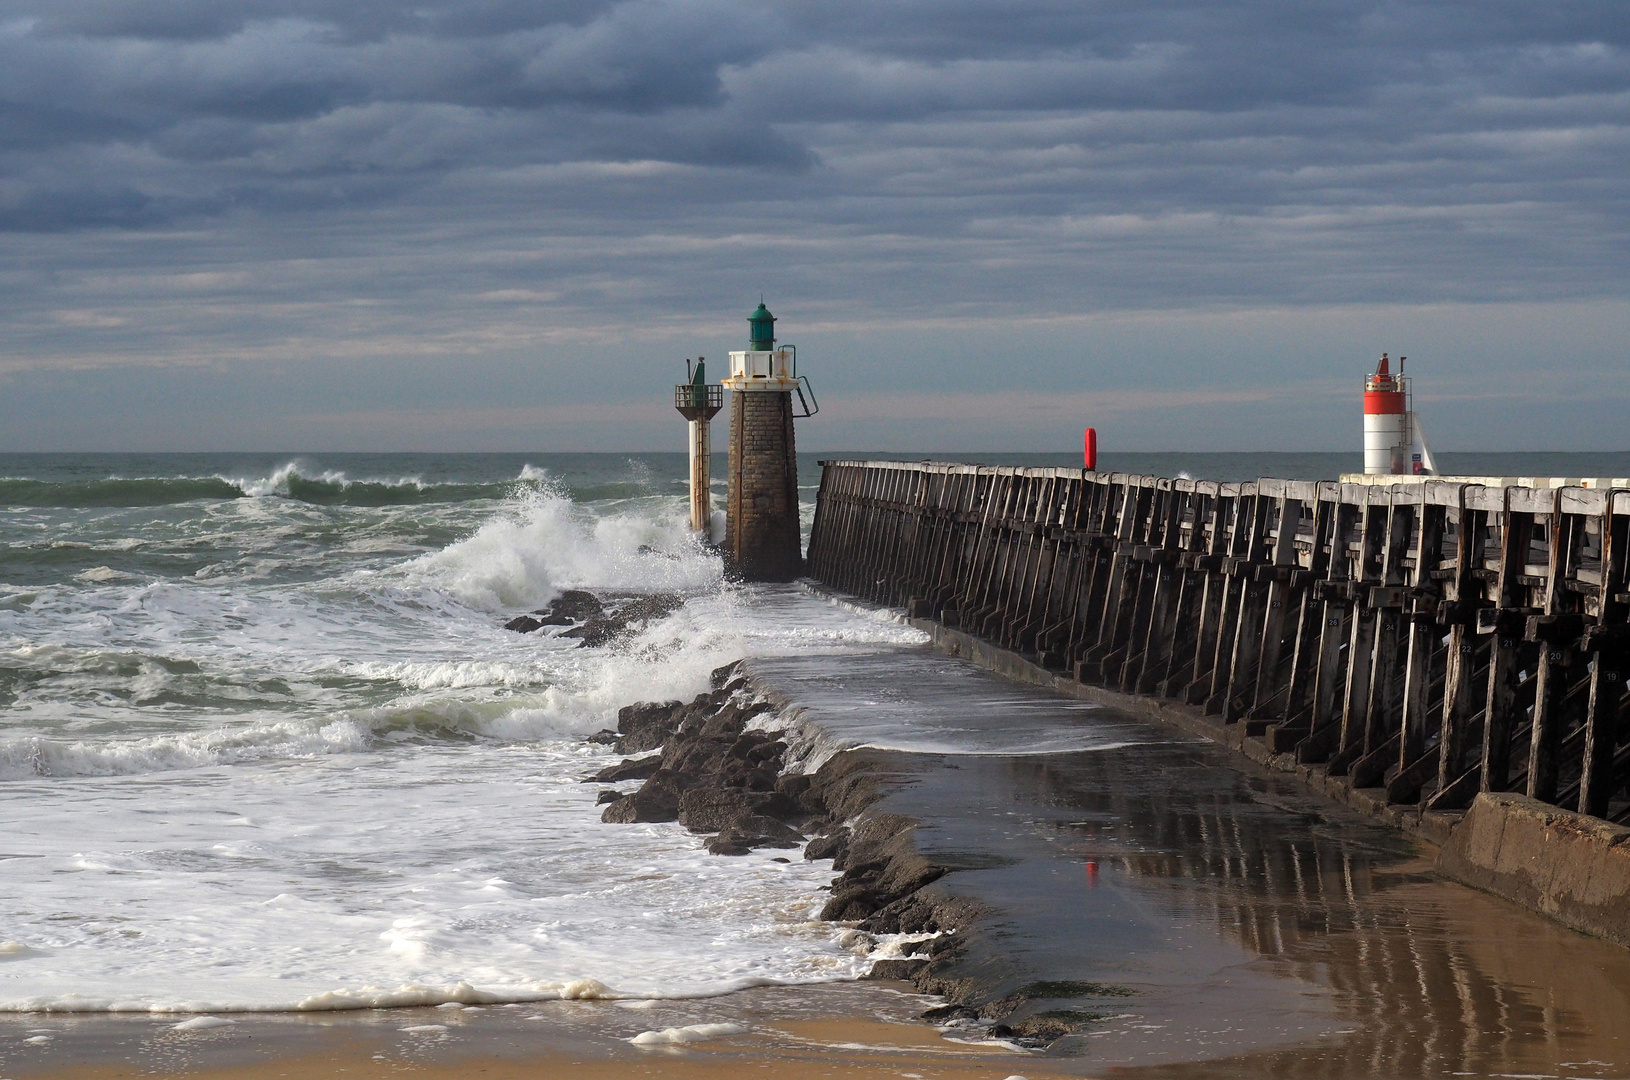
x=1424, y=642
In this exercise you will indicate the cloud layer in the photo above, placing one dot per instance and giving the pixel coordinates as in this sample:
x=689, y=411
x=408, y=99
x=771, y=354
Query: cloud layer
x=204, y=183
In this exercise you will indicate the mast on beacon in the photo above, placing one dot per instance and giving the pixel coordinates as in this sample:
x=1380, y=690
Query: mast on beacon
x=1394, y=442
x=699, y=402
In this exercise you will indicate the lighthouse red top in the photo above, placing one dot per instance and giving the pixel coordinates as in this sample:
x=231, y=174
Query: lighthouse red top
x=1383, y=394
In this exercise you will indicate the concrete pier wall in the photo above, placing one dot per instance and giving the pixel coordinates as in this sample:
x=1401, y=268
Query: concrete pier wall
x=1573, y=868
x=1404, y=649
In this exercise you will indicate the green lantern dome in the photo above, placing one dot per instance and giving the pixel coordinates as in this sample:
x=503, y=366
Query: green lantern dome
x=761, y=332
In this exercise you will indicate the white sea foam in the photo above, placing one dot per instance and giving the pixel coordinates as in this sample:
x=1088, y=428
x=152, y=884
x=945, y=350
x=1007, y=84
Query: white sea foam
x=202, y=1023
x=322, y=776
x=692, y=1033
x=542, y=543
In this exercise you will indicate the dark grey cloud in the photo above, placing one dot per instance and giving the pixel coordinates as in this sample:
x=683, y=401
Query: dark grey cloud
x=261, y=84
x=236, y=184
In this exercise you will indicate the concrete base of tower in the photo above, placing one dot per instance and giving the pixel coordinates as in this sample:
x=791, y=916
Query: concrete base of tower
x=761, y=520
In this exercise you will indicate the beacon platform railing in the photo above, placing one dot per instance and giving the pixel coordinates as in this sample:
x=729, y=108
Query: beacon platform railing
x=1432, y=640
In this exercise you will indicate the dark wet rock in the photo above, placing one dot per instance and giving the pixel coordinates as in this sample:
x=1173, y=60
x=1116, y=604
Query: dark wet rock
x=722, y=675
x=571, y=606
x=620, y=618
x=883, y=865
x=956, y=989
x=1001, y=1008
x=627, y=769
x=604, y=737
x=754, y=832
x=728, y=844
x=845, y=786
x=852, y=901
x=897, y=970
x=656, y=800
x=523, y=624
x=793, y=785
x=717, y=809
x=1044, y=1027
x=1074, y=988
x=950, y=1012
x=608, y=796
x=927, y=913
x=644, y=726
x=831, y=846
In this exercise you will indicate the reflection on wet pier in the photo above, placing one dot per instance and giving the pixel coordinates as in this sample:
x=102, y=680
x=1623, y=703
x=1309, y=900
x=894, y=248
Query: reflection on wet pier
x=1426, y=978
x=1265, y=931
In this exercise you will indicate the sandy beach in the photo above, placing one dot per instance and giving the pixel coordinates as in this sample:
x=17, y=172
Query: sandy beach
x=845, y=1030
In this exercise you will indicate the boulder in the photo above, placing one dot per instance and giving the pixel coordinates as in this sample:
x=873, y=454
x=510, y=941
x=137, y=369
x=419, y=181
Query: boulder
x=882, y=866
x=897, y=970
x=522, y=624
x=754, y=832
x=718, y=809
x=645, y=726
x=656, y=800
x=832, y=846
x=627, y=769
x=623, y=618
x=722, y=675
x=571, y=606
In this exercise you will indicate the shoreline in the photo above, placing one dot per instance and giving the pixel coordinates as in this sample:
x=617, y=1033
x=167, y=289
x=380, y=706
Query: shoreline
x=856, y=1029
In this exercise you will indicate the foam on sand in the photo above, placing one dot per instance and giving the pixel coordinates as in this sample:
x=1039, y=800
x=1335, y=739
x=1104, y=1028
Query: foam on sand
x=693, y=1033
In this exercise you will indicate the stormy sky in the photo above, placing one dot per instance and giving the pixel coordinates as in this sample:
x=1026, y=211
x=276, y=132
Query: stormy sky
x=488, y=224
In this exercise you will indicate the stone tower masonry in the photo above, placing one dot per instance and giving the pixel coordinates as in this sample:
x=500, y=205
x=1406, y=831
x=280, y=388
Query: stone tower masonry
x=761, y=520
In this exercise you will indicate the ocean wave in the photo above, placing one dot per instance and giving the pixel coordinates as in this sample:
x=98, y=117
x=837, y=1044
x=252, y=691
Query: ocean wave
x=116, y=491
x=321, y=488
x=512, y=719
x=542, y=543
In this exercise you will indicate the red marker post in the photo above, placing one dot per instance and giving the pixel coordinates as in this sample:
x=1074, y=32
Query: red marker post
x=1089, y=448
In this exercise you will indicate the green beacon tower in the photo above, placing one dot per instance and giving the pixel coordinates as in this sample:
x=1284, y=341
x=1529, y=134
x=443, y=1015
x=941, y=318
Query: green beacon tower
x=761, y=519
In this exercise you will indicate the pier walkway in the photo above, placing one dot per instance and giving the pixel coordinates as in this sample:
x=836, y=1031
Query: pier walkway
x=1420, y=650
x=1215, y=918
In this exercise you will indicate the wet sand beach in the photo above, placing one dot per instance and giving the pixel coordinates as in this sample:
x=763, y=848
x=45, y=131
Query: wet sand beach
x=857, y=1030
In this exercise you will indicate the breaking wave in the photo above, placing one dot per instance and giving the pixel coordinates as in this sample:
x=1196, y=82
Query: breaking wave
x=325, y=488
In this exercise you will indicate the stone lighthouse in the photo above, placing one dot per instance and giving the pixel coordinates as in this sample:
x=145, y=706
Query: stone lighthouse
x=761, y=521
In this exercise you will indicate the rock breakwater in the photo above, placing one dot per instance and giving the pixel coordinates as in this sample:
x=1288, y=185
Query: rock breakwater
x=719, y=765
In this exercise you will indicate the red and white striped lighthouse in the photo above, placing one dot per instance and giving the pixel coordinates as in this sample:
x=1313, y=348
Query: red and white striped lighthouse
x=1386, y=422
x=1393, y=440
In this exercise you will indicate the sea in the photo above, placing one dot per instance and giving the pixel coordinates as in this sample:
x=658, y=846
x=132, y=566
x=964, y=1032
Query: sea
x=266, y=745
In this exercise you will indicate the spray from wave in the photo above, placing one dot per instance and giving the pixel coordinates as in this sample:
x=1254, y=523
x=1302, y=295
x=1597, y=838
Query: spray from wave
x=542, y=542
